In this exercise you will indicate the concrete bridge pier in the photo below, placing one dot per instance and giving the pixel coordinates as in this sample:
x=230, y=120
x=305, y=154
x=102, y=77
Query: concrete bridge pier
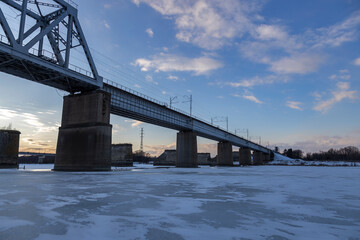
x=244, y=156
x=84, y=141
x=258, y=158
x=9, y=148
x=224, y=156
x=186, y=149
x=267, y=157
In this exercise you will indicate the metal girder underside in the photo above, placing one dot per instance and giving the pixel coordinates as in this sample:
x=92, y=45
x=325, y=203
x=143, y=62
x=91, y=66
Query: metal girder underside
x=128, y=105
x=24, y=55
x=42, y=71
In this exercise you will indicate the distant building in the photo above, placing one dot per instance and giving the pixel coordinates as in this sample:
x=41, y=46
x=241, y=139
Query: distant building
x=168, y=158
x=205, y=159
x=235, y=156
x=121, y=155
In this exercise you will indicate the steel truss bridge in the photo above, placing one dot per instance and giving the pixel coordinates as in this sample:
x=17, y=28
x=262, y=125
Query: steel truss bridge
x=24, y=55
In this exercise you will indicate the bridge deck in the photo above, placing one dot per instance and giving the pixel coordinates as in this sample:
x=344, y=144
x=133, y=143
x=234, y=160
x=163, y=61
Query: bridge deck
x=126, y=104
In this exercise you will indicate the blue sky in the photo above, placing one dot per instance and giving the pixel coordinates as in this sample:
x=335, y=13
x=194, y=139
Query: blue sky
x=286, y=70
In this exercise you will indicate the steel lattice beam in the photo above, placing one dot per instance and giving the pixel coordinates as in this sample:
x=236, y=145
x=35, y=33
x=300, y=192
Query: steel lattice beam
x=47, y=26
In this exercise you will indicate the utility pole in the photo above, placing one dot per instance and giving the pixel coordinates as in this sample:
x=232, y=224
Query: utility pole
x=227, y=123
x=172, y=100
x=189, y=99
x=141, y=141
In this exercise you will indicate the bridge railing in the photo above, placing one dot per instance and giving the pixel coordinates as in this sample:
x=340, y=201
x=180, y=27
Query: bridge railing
x=136, y=93
x=126, y=89
x=49, y=56
x=81, y=70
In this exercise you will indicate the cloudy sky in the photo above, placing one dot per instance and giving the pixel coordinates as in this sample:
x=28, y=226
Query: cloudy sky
x=288, y=71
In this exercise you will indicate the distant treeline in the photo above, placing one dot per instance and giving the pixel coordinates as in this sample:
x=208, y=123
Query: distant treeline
x=343, y=154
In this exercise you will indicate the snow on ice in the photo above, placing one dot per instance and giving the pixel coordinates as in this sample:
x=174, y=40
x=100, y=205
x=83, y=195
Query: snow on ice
x=263, y=202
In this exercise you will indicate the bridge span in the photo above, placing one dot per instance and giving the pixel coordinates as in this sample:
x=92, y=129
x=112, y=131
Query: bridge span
x=85, y=134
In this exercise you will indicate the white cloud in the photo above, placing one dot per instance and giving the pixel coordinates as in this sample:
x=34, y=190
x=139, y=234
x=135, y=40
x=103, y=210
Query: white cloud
x=117, y=128
x=213, y=24
x=270, y=32
x=29, y=119
x=106, y=24
x=357, y=62
x=150, y=79
x=107, y=6
x=342, y=92
x=257, y=81
x=249, y=96
x=283, y=53
x=134, y=123
x=137, y=2
x=297, y=54
x=150, y=32
x=173, y=78
x=184, y=36
x=207, y=24
x=317, y=95
x=339, y=33
x=294, y=105
x=33, y=126
x=169, y=63
x=252, y=98
x=300, y=64
x=144, y=64
x=343, y=75
x=6, y=114
x=333, y=77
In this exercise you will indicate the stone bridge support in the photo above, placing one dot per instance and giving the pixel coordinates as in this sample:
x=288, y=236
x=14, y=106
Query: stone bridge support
x=267, y=157
x=244, y=156
x=84, y=141
x=9, y=148
x=224, y=156
x=258, y=158
x=186, y=149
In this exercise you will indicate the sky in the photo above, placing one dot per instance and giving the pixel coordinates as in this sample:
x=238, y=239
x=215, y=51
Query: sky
x=286, y=71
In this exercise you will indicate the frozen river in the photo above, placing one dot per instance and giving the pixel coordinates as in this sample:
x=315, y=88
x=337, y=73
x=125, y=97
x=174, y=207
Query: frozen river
x=265, y=202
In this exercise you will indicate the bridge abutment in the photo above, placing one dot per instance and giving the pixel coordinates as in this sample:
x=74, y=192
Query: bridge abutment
x=244, y=156
x=186, y=149
x=224, y=156
x=84, y=141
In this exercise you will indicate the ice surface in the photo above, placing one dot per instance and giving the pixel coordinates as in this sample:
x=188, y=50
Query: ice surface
x=143, y=202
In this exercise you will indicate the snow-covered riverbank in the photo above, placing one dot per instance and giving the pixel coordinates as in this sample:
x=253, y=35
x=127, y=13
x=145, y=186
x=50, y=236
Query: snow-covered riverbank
x=283, y=160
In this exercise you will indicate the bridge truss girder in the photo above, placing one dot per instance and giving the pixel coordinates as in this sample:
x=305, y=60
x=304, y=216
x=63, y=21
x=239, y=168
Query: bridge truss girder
x=20, y=58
